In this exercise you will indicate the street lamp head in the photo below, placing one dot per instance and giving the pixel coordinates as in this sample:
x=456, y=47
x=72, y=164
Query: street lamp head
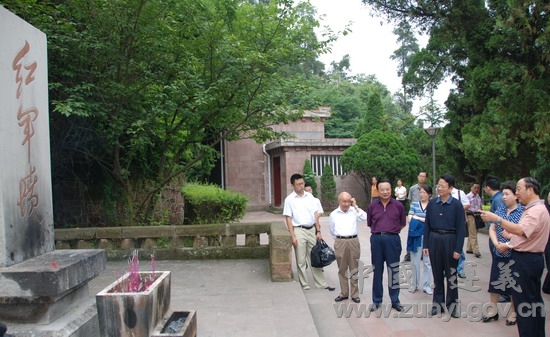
x=432, y=131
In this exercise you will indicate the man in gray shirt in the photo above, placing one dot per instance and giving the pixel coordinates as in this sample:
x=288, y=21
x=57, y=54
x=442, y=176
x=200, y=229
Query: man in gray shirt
x=414, y=191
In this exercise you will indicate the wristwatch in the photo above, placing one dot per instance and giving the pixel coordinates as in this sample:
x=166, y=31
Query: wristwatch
x=499, y=221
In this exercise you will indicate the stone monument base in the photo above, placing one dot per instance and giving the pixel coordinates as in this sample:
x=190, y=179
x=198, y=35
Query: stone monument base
x=79, y=322
x=49, y=293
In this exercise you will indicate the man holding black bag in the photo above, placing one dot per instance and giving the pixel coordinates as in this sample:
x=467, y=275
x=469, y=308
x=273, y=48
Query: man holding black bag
x=301, y=212
x=343, y=227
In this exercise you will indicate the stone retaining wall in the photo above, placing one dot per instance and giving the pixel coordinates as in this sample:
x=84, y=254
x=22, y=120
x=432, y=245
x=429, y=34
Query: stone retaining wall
x=185, y=242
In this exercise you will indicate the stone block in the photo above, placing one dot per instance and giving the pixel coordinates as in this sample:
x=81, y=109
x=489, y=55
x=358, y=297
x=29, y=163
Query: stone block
x=228, y=240
x=280, y=253
x=126, y=244
x=105, y=244
x=252, y=240
x=149, y=243
x=108, y=232
x=200, y=241
x=62, y=245
x=176, y=242
x=188, y=329
x=281, y=272
x=75, y=233
x=122, y=313
x=206, y=230
x=52, y=274
x=84, y=244
x=44, y=288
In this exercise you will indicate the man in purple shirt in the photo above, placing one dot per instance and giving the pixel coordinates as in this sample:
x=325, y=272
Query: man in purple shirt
x=385, y=217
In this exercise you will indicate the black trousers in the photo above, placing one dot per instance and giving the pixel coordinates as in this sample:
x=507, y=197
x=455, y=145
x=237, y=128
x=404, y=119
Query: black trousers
x=546, y=283
x=444, y=266
x=527, y=272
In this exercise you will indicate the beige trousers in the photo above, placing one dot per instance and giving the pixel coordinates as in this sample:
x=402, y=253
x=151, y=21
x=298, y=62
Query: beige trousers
x=347, y=252
x=306, y=240
x=472, y=244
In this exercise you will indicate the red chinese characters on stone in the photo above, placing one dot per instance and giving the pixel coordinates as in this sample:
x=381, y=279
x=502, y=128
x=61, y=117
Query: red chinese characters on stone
x=24, y=76
x=17, y=64
x=25, y=118
x=28, y=199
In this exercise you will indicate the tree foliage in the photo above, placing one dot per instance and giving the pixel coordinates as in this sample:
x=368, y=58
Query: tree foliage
x=403, y=55
x=374, y=117
x=309, y=176
x=328, y=186
x=497, y=54
x=380, y=154
x=142, y=91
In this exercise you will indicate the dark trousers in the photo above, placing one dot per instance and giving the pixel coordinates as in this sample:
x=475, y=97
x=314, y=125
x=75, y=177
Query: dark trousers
x=385, y=249
x=444, y=266
x=527, y=272
x=546, y=283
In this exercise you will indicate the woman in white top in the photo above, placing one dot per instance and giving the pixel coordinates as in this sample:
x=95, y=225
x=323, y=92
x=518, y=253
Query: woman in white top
x=400, y=192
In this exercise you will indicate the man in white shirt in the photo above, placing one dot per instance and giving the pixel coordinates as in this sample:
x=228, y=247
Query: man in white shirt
x=302, y=212
x=343, y=227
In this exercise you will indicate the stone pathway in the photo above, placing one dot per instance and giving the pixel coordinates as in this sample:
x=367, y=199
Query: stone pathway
x=237, y=298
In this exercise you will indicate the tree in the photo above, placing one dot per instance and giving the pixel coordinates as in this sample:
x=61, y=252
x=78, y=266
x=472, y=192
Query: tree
x=380, y=154
x=143, y=91
x=328, y=186
x=374, y=117
x=494, y=52
x=403, y=55
x=309, y=177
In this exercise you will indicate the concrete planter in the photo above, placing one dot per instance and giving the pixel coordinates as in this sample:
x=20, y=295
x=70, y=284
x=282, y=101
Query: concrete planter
x=173, y=319
x=133, y=313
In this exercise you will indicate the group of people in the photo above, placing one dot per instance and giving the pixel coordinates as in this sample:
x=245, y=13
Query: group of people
x=439, y=221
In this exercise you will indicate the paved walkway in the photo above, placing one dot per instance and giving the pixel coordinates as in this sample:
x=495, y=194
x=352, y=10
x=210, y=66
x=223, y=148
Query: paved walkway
x=237, y=298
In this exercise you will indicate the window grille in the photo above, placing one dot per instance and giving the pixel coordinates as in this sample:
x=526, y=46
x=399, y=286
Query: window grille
x=318, y=162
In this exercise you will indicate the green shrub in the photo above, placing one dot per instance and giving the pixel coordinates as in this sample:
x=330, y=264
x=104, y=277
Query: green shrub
x=309, y=177
x=208, y=203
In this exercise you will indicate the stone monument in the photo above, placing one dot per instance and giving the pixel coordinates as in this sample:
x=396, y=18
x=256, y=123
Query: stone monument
x=43, y=292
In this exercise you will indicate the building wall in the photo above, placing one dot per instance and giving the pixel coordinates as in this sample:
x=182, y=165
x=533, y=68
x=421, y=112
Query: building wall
x=247, y=172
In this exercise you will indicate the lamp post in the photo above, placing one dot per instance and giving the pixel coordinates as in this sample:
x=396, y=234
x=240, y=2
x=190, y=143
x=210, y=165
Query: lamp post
x=432, y=132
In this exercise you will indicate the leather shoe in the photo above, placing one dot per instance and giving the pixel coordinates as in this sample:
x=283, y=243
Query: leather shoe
x=434, y=311
x=357, y=300
x=374, y=306
x=488, y=319
x=469, y=252
x=329, y=288
x=478, y=254
x=510, y=323
x=504, y=298
x=340, y=298
x=397, y=307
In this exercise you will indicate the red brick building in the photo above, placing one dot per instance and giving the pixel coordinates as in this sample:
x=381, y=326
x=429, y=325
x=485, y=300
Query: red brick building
x=262, y=171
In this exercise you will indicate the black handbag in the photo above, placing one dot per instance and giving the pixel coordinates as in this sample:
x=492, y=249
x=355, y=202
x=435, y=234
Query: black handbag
x=479, y=223
x=322, y=255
